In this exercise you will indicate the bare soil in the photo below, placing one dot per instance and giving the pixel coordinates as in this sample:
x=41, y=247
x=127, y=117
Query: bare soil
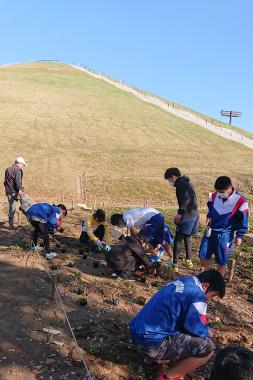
x=101, y=328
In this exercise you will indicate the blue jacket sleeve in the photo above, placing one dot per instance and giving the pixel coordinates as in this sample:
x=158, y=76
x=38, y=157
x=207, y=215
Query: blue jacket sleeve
x=52, y=222
x=242, y=220
x=195, y=318
x=210, y=206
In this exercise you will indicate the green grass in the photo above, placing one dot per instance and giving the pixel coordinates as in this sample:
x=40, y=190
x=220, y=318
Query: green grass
x=65, y=122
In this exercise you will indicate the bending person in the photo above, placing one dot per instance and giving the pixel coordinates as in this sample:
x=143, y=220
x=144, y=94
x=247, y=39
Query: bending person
x=148, y=220
x=45, y=218
x=127, y=256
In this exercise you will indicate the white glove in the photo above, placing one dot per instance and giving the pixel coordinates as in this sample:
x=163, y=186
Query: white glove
x=99, y=244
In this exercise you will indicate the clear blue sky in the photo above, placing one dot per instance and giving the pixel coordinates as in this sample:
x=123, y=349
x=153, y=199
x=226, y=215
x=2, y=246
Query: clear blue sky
x=195, y=52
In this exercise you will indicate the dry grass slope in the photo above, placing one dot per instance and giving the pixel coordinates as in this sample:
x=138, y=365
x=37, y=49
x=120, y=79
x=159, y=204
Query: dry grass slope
x=65, y=122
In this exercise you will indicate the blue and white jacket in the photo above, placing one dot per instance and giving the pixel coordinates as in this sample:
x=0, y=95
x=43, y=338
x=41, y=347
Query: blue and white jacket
x=45, y=213
x=179, y=307
x=230, y=214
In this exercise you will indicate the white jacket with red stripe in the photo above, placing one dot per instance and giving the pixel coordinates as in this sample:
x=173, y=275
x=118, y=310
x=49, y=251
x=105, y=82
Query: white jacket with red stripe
x=230, y=214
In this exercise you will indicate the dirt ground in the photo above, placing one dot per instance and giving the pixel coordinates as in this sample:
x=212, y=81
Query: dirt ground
x=101, y=327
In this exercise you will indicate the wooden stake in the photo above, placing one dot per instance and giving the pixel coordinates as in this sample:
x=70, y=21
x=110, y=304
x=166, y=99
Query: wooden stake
x=78, y=187
x=54, y=283
x=19, y=218
x=231, y=271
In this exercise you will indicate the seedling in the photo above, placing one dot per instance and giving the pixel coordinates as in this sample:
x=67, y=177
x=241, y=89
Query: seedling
x=78, y=276
x=71, y=264
x=81, y=251
x=115, y=301
x=143, y=279
x=141, y=300
x=85, y=256
x=83, y=301
x=80, y=291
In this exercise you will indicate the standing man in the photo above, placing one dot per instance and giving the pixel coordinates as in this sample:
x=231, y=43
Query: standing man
x=14, y=188
x=187, y=218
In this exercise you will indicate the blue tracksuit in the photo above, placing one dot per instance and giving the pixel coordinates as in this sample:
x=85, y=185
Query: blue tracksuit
x=45, y=213
x=179, y=307
x=228, y=216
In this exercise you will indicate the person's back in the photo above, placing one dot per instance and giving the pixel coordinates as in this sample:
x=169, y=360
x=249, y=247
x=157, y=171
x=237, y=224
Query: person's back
x=13, y=179
x=178, y=307
x=119, y=254
x=42, y=211
x=233, y=363
x=186, y=196
x=137, y=217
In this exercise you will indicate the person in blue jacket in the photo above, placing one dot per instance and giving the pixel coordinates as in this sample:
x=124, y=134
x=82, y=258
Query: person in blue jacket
x=172, y=325
x=227, y=220
x=45, y=218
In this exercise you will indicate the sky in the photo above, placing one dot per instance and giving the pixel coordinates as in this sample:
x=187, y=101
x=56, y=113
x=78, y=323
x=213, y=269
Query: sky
x=198, y=53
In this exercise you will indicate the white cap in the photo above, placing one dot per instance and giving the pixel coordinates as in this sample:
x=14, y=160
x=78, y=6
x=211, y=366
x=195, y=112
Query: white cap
x=20, y=160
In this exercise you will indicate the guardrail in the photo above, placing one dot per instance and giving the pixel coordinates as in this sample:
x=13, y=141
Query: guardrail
x=171, y=108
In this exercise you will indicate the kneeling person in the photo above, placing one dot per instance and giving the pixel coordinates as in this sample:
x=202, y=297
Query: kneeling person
x=45, y=218
x=172, y=325
x=127, y=256
x=95, y=229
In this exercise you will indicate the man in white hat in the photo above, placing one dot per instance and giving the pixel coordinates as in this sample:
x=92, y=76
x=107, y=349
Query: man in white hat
x=14, y=188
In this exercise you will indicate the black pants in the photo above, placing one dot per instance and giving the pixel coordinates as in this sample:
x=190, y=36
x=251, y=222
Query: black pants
x=178, y=244
x=99, y=233
x=41, y=230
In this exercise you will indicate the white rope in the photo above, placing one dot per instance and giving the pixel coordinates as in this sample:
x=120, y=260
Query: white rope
x=88, y=377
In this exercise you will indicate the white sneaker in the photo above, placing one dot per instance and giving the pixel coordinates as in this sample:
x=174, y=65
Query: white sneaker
x=51, y=255
x=37, y=248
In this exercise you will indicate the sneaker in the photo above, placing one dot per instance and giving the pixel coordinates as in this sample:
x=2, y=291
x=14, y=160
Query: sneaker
x=37, y=248
x=125, y=278
x=163, y=376
x=189, y=264
x=51, y=255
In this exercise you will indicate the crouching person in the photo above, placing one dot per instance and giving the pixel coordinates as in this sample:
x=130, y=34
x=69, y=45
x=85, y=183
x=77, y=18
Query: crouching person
x=172, y=325
x=95, y=230
x=127, y=256
x=46, y=219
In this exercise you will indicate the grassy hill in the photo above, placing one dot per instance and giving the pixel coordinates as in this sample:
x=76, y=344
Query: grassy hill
x=64, y=122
